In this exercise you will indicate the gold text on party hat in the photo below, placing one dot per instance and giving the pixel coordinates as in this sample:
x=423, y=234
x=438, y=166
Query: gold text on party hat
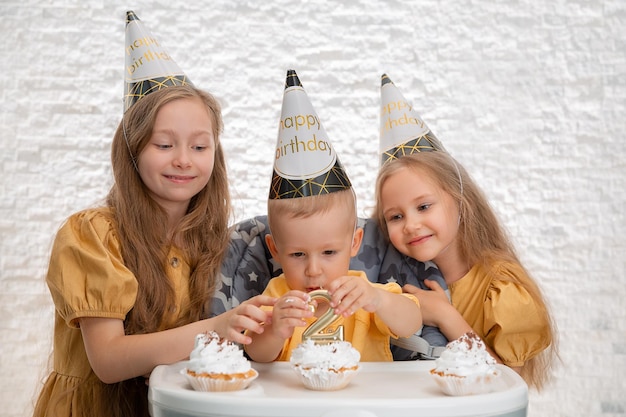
x=149, y=56
x=140, y=42
x=401, y=121
x=300, y=120
x=295, y=146
x=395, y=106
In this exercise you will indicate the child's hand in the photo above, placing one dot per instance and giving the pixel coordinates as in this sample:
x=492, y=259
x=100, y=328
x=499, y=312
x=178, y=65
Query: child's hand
x=350, y=293
x=246, y=316
x=289, y=312
x=437, y=310
x=434, y=303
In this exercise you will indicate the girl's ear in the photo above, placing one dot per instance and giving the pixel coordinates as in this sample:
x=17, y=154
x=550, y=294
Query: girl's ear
x=356, y=241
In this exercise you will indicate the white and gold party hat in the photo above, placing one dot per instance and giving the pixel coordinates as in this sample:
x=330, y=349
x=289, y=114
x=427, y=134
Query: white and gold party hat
x=305, y=162
x=148, y=67
x=402, y=131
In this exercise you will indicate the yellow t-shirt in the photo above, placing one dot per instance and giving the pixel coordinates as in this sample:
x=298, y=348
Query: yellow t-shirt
x=502, y=312
x=366, y=331
x=87, y=278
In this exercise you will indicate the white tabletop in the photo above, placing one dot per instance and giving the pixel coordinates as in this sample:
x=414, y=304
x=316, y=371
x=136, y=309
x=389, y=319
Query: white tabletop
x=379, y=389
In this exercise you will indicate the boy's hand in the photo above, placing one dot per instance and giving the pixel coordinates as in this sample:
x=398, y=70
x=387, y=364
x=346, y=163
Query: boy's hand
x=350, y=293
x=289, y=312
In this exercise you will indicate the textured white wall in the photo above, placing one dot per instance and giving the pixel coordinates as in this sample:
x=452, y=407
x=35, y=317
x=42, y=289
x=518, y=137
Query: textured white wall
x=529, y=95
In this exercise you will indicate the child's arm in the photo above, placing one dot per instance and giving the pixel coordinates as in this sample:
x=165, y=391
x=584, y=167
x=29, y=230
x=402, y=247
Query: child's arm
x=288, y=313
x=115, y=356
x=349, y=293
x=439, y=312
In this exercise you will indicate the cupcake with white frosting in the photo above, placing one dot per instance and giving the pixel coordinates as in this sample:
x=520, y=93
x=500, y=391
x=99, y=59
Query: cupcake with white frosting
x=465, y=367
x=325, y=367
x=217, y=364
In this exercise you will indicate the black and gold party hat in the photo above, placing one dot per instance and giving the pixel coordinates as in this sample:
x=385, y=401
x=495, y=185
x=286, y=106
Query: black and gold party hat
x=148, y=67
x=305, y=162
x=402, y=131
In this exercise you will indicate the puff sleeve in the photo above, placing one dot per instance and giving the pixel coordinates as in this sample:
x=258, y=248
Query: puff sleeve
x=86, y=275
x=515, y=325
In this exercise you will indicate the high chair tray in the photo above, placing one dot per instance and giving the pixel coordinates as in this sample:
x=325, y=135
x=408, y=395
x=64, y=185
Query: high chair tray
x=379, y=389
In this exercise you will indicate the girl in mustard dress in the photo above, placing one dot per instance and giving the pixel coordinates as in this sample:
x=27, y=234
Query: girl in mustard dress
x=433, y=211
x=131, y=280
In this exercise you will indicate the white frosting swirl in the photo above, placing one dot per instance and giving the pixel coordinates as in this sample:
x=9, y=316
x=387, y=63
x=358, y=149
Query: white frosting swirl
x=213, y=355
x=335, y=355
x=465, y=356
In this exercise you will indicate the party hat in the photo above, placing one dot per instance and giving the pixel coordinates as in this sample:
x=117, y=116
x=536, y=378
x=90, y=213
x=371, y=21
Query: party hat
x=305, y=161
x=148, y=67
x=402, y=131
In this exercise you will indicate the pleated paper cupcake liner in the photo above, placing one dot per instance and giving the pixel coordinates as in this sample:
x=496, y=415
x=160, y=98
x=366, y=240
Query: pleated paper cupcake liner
x=202, y=383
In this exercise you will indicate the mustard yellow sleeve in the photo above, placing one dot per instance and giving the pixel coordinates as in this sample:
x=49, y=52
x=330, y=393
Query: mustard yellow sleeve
x=86, y=275
x=396, y=289
x=515, y=325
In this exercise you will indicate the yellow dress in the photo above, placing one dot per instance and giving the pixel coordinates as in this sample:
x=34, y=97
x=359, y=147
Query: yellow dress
x=87, y=278
x=366, y=331
x=502, y=312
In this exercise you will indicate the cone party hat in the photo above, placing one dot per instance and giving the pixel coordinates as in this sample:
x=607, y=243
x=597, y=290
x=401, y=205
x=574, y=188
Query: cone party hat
x=305, y=162
x=148, y=67
x=402, y=131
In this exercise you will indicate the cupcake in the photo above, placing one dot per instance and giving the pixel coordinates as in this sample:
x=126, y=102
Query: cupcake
x=325, y=367
x=465, y=367
x=217, y=364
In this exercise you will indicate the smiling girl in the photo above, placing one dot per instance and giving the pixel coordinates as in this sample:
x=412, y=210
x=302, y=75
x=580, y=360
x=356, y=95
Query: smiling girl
x=433, y=211
x=131, y=280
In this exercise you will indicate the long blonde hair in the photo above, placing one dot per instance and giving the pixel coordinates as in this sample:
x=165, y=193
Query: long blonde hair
x=481, y=237
x=141, y=222
x=202, y=236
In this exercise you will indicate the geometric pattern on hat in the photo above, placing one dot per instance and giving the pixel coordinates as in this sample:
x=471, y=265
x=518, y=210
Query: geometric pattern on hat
x=409, y=138
x=137, y=90
x=331, y=181
x=425, y=143
x=334, y=178
x=149, y=67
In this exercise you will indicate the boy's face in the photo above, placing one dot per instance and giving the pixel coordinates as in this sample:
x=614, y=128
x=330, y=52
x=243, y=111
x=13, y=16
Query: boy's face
x=314, y=251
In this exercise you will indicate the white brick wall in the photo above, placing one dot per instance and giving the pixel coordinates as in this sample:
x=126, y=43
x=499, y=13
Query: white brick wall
x=529, y=95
